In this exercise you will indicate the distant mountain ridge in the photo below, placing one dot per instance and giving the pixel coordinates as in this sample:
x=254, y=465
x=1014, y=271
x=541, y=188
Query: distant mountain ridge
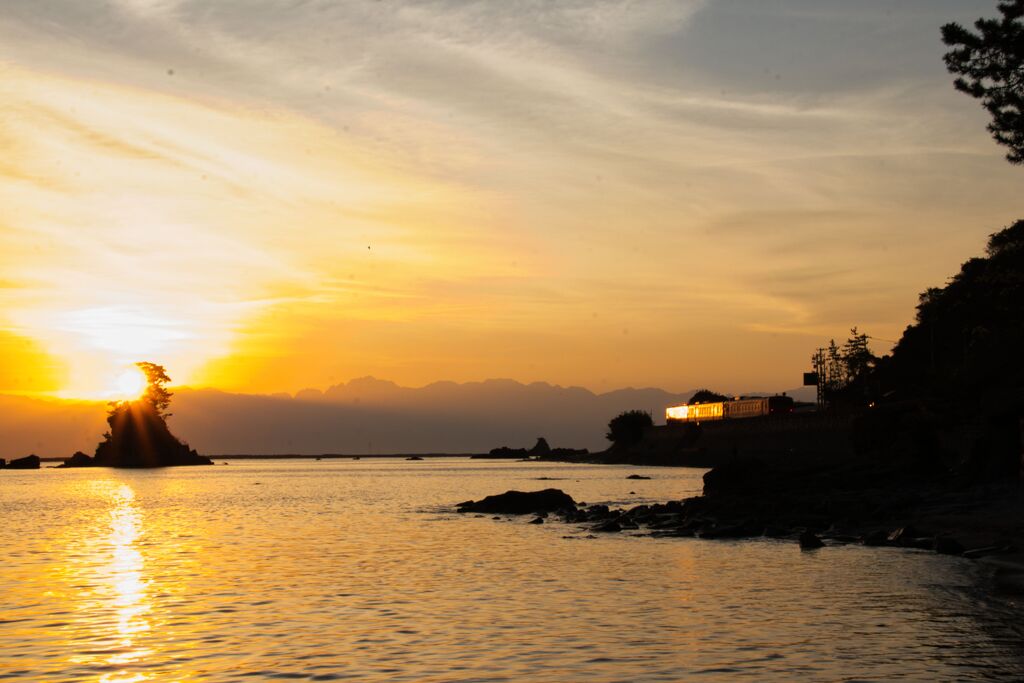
x=364, y=415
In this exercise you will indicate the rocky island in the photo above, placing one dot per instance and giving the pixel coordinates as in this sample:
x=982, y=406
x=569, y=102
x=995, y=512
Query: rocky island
x=139, y=436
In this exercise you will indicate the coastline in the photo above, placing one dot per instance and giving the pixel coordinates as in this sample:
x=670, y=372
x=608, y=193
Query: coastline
x=899, y=477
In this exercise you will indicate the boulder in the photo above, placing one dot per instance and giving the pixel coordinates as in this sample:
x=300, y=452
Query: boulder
x=739, y=476
x=29, y=462
x=665, y=521
x=919, y=542
x=79, y=459
x=876, y=538
x=975, y=553
x=810, y=541
x=904, y=535
x=520, y=502
x=610, y=526
x=777, y=532
x=2, y=463
x=944, y=545
x=727, y=531
x=502, y=452
x=537, y=520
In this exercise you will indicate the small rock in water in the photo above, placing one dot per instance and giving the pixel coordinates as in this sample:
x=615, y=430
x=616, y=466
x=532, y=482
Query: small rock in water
x=537, y=520
x=903, y=535
x=637, y=476
x=743, y=530
x=810, y=541
x=776, y=532
x=608, y=527
x=29, y=462
x=876, y=538
x=919, y=542
x=521, y=502
x=975, y=553
x=79, y=459
x=947, y=546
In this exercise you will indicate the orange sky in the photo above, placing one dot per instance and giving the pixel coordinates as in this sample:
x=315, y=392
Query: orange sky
x=593, y=193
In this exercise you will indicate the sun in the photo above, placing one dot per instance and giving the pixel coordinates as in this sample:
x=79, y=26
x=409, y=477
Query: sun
x=130, y=384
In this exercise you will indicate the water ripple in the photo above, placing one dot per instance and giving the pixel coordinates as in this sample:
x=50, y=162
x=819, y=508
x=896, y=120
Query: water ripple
x=343, y=570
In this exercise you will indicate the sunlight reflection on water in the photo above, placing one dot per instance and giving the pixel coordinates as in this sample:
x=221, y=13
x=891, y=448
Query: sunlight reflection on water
x=129, y=588
x=117, y=582
x=342, y=570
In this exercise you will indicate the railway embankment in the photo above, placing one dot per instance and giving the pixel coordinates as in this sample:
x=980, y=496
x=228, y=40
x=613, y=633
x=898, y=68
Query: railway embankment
x=801, y=437
x=797, y=437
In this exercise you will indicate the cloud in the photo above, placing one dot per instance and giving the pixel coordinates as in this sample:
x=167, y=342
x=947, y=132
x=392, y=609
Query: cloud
x=490, y=185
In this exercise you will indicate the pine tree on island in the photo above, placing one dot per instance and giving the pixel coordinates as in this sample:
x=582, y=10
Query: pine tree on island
x=139, y=436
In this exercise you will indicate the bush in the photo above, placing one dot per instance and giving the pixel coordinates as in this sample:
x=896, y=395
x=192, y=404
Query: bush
x=628, y=428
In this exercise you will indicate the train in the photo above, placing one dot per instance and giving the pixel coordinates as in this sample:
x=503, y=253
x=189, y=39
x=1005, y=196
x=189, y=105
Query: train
x=729, y=410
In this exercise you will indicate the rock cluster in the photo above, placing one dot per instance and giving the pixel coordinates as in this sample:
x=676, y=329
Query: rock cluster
x=29, y=462
x=540, y=451
x=79, y=459
x=750, y=502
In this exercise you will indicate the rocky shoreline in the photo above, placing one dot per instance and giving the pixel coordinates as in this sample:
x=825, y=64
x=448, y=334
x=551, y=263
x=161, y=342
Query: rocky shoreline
x=894, y=504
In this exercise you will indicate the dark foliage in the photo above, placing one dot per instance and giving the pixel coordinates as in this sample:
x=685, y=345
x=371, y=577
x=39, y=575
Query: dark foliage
x=628, y=428
x=990, y=67
x=707, y=396
x=156, y=394
x=966, y=342
x=847, y=372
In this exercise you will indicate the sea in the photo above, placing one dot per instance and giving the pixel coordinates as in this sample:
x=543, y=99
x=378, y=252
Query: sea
x=359, y=570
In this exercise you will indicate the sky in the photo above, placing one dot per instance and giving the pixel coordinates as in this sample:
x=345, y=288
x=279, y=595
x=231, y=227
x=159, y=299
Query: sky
x=267, y=195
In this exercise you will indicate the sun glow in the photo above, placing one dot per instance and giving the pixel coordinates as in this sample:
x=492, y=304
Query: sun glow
x=129, y=385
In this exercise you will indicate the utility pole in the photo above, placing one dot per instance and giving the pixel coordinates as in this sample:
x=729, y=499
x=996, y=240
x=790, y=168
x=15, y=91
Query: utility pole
x=817, y=378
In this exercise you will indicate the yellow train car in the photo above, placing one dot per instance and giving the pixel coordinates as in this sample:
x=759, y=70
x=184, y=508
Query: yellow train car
x=729, y=410
x=695, y=412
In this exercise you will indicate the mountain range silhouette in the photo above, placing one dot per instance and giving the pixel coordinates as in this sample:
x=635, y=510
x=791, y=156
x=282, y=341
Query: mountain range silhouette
x=365, y=416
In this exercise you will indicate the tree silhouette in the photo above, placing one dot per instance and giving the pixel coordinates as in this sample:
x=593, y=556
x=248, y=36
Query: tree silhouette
x=848, y=371
x=857, y=357
x=707, y=396
x=156, y=393
x=627, y=428
x=990, y=67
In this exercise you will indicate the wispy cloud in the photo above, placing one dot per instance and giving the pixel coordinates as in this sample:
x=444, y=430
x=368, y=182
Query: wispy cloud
x=479, y=182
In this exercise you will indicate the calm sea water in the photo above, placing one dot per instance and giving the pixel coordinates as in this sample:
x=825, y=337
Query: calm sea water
x=338, y=570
